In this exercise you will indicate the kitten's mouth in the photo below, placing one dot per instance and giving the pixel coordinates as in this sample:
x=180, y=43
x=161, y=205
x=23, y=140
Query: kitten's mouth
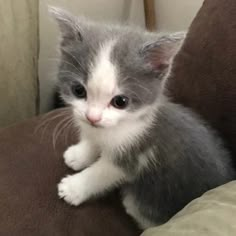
x=96, y=125
x=93, y=125
x=85, y=121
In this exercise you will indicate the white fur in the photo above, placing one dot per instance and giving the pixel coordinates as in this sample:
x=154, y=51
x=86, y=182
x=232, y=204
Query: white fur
x=147, y=159
x=80, y=156
x=103, y=76
x=119, y=136
x=101, y=88
x=132, y=209
x=101, y=176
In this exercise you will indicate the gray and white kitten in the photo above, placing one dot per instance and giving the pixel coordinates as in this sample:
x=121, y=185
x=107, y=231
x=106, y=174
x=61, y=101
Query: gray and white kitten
x=161, y=154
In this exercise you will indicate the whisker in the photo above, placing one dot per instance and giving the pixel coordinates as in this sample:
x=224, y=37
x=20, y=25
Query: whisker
x=67, y=127
x=132, y=93
x=136, y=84
x=66, y=62
x=77, y=61
x=57, y=131
x=63, y=72
x=48, y=118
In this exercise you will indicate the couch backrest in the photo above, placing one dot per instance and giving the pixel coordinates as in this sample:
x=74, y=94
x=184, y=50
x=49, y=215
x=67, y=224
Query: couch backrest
x=19, y=88
x=204, y=75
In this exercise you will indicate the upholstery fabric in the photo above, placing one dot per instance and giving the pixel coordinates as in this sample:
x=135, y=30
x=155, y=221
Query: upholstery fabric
x=18, y=60
x=204, y=75
x=213, y=214
x=30, y=168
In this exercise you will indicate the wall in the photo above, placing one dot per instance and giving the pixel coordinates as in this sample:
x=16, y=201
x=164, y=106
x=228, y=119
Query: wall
x=172, y=15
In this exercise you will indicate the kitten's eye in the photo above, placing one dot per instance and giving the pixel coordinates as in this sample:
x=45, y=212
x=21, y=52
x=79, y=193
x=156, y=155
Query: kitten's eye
x=120, y=102
x=79, y=91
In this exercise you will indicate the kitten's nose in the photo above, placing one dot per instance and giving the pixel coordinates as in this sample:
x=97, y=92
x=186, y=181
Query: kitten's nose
x=93, y=119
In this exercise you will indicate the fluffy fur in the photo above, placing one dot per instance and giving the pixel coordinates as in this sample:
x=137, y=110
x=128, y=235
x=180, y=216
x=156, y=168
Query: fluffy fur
x=161, y=154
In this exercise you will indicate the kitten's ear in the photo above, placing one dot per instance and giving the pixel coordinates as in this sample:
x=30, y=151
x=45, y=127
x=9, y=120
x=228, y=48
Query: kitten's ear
x=159, y=54
x=68, y=25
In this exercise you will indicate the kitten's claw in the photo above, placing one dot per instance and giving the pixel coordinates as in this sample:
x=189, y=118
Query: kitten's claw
x=68, y=190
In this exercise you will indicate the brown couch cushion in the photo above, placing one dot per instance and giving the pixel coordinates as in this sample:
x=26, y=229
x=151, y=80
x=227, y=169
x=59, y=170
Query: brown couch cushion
x=30, y=169
x=204, y=76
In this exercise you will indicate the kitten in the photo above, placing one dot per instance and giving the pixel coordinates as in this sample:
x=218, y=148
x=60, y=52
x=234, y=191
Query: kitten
x=160, y=154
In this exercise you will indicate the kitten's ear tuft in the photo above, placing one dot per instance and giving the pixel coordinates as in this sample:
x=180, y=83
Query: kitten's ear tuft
x=67, y=23
x=159, y=53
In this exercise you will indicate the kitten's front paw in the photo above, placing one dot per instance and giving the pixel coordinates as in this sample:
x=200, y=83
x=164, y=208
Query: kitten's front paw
x=71, y=157
x=77, y=157
x=69, y=189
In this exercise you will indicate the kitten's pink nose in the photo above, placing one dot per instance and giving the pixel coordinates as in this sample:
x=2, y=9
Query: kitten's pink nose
x=93, y=119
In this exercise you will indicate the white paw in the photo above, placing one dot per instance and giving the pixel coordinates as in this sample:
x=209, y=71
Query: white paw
x=77, y=156
x=71, y=190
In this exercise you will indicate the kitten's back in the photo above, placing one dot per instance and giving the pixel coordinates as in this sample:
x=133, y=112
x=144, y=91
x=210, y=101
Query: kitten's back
x=187, y=158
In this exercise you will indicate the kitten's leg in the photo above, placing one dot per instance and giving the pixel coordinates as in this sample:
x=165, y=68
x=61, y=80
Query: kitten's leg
x=101, y=176
x=80, y=156
x=131, y=208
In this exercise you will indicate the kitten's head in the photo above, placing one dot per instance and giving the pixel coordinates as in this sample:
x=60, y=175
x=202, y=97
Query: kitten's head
x=111, y=74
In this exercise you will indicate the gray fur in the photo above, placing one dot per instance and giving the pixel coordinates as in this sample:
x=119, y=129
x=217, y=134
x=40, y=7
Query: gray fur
x=189, y=159
x=184, y=156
